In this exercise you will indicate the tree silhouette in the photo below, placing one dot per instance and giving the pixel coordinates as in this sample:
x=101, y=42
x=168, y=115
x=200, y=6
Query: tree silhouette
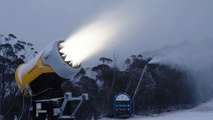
x=12, y=54
x=18, y=47
x=104, y=59
x=12, y=36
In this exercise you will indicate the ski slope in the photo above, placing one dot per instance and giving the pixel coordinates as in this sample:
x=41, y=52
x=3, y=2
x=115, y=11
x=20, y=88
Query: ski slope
x=202, y=112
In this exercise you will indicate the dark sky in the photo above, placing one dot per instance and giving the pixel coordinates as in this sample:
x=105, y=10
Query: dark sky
x=149, y=24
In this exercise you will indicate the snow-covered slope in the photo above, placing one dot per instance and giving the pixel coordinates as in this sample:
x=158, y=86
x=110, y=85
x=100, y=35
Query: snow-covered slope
x=202, y=112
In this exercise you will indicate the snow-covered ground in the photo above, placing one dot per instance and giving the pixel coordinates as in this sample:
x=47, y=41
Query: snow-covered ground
x=202, y=112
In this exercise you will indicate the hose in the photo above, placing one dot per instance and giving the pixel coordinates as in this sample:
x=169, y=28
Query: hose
x=22, y=107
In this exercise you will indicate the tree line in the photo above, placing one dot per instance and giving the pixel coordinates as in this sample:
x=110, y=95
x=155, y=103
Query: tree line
x=163, y=87
x=13, y=52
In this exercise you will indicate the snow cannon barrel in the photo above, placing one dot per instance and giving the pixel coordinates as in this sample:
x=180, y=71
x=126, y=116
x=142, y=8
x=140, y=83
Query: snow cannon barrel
x=45, y=70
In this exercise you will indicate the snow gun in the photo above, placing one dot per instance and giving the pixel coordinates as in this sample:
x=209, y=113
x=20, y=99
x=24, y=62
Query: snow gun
x=42, y=77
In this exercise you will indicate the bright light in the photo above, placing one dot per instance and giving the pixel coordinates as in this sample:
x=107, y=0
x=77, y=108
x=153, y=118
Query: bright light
x=88, y=41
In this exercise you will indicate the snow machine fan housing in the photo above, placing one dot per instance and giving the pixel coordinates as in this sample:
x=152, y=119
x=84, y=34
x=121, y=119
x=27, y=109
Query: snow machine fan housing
x=50, y=60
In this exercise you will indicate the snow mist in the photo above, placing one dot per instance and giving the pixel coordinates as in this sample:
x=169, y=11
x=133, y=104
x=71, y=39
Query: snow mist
x=88, y=40
x=195, y=57
x=166, y=30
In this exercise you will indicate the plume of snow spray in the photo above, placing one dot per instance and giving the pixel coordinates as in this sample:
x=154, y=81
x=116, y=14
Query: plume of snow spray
x=88, y=40
x=91, y=38
x=98, y=34
x=196, y=58
x=143, y=29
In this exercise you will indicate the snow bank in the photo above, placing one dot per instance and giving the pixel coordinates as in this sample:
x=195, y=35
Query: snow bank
x=202, y=112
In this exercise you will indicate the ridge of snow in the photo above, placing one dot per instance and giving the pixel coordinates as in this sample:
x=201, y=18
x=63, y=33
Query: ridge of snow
x=203, y=111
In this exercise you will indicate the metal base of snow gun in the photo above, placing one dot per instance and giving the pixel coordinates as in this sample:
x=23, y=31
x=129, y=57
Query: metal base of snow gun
x=57, y=108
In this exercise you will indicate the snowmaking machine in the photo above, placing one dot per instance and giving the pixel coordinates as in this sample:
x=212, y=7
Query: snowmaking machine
x=41, y=78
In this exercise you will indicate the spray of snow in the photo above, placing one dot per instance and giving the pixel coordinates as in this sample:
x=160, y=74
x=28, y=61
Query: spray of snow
x=103, y=31
x=152, y=27
x=90, y=39
x=194, y=56
x=156, y=60
x=148, y=27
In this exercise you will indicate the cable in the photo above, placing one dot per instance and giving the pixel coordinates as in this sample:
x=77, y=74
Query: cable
x=22, y=107
x=23, y=101
x=29, y=115
x=41, y=92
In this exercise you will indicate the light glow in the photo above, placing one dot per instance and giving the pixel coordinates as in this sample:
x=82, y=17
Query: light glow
x=89, y=40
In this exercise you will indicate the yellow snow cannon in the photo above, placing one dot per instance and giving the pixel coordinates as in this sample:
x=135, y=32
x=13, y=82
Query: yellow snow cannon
x=46, y=70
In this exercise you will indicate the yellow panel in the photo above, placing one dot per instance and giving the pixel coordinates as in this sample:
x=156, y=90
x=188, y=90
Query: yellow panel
x=32, y=74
